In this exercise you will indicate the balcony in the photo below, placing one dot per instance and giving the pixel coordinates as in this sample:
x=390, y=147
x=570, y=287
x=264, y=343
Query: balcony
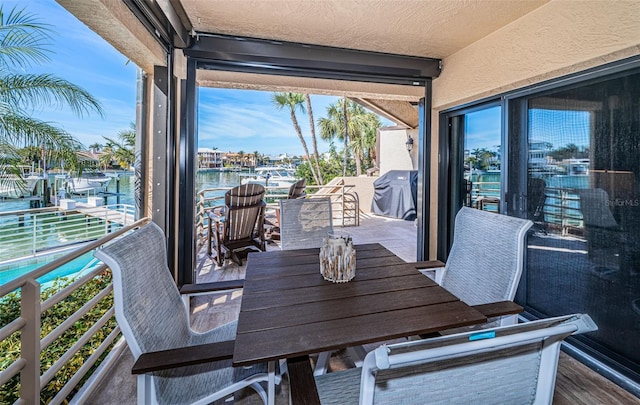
x=576, y=384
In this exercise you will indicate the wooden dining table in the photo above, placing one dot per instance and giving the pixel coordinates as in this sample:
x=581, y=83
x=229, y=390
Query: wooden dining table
x=289, y=310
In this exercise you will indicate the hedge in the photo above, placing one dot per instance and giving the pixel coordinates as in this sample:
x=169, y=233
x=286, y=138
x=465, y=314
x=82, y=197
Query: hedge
x=50, y=319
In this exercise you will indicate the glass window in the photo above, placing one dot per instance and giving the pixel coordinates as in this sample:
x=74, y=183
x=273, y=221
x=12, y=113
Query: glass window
x=482, y=157
x=583, y=194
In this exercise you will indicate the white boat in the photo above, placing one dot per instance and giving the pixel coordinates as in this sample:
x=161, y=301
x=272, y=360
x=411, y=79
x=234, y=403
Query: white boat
x=271, y=176
x=13, y=185
x=87, y=183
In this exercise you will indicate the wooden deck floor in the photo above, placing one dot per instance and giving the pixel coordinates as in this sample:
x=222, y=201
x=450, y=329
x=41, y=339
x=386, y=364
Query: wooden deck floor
x=576, y=384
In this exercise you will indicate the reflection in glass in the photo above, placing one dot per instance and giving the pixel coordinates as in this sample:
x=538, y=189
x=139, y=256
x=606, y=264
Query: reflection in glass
x=482, y=159
x=584, y=198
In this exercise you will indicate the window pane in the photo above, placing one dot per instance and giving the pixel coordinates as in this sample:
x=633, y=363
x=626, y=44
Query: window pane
x=584, y=198
x=482, y=158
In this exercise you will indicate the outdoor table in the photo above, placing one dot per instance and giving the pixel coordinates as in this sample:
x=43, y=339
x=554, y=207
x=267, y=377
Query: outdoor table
x=288, y=310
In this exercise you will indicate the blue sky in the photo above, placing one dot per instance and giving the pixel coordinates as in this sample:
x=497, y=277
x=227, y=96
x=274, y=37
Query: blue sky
x=248, y=120
x=558, y=127
x=227, y=119
x=483, y=129
x=83, y=58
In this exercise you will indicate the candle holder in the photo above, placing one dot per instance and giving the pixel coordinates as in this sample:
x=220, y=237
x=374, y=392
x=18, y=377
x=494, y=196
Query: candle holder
x=337, y=257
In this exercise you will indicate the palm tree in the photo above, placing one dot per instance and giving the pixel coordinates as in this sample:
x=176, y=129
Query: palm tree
x=241, y=157
x=23, y=40
x=95, y=146
x=363, y=141
x=347, y=120
x=314, y=140
x=107, y=155
x=293, y=102
x=121, y=150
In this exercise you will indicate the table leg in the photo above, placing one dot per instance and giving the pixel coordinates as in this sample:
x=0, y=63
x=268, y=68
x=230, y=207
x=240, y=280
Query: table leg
x=271, y=391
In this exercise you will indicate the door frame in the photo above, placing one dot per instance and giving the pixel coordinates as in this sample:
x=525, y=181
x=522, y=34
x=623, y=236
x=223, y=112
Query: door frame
x=451, y=152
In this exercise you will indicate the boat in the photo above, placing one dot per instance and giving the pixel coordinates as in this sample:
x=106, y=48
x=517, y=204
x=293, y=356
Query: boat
x=87, y=183
x=576, y=167
x=271, y=176
x=13, y=185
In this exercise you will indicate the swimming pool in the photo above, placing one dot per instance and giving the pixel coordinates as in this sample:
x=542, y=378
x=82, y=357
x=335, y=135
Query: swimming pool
x=14, y=270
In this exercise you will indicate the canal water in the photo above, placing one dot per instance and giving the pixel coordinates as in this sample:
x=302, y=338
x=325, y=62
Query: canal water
x=126, y=188
x=124, y=185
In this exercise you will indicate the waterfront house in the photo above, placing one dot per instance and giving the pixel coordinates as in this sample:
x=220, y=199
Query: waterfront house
x=437, y=63
x=209, y=158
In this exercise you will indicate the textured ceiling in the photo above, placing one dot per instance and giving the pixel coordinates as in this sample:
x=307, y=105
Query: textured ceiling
x=429, y=28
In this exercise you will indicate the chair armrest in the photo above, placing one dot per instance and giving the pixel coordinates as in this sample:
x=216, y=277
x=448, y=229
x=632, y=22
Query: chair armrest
x=500, y=308
x=434, y=269
x=429, y=264
x=183, y=356
x=302, y=385
x=211, y=287
x=491, y=310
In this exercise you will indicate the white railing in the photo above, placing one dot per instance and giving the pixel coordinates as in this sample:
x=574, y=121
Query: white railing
x=561, y=208
x=32, y=232
x=345, y=203
x=27, y=363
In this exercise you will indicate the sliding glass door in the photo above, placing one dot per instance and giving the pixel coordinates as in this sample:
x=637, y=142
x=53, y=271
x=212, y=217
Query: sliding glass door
x=472, y=167
x=568, y=159
x=583, y=194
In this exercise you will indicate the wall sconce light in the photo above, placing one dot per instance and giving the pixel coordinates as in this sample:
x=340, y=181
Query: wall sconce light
x=409, y=144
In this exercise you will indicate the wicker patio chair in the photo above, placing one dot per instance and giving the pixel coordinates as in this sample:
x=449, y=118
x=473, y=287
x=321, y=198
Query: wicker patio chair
x=297, y=190
x=514, y=364
x=175, y=365
x=305, y=222
x=239, y=223
x=536, y=198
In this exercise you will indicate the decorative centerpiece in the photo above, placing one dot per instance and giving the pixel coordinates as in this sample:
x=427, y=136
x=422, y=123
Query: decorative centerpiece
x=338, y=257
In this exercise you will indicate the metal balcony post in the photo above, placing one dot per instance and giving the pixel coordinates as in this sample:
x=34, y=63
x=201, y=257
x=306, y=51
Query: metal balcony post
x=35, y=234
x=30, y=310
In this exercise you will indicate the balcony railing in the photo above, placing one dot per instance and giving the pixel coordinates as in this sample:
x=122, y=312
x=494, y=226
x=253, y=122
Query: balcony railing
x=345, y=203
x=561, y=208
x=27, y=361
x=31, y=232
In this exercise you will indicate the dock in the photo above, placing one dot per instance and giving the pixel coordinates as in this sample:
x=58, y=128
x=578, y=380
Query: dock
x=106, y=213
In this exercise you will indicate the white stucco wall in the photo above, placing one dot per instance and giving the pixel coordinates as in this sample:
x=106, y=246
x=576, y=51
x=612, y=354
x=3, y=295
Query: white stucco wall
x=393, y=153
x=558, y=38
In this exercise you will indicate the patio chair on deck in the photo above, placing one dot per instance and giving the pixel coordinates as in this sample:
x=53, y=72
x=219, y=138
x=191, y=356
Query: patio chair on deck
x=192, y=367
x=536, y=198
x=600, y=226
x=484, y=268
x=515, y=364
x=304, y=222
x=297, y=190
x=486, y=258
x=239, y=223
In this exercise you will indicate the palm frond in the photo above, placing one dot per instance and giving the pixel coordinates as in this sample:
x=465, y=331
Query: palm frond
x=37, y=90
x=23, y=39
x=19, y=130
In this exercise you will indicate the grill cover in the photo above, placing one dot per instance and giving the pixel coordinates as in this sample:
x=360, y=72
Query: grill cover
x=395, y=194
